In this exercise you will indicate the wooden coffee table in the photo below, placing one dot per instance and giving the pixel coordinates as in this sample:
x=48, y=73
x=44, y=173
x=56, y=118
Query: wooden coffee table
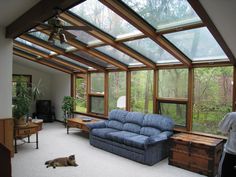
x=79, y=123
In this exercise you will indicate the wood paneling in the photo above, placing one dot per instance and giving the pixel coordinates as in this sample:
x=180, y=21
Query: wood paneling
x=6, y=133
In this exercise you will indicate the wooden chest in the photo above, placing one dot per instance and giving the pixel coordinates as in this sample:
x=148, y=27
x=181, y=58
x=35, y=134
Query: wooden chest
x=196, y=153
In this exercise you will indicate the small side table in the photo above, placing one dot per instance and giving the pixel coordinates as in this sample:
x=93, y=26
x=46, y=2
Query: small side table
x=21, y=132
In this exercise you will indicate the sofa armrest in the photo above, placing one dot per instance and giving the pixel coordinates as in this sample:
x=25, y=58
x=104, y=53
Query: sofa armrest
x=99, y=124
x=158, y=138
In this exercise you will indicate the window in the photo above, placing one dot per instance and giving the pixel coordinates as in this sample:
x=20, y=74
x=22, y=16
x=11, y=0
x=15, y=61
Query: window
x=198, y=44
x=97, y=104
x=142, y=91
x=25, y=79
x=173, y=83
x=81, y=95
x=96, y=95
x=151, y=50
x=177, y=111
x=172, y=94
x=163, y=14
x=97, y=83
x=117, y=90
x=213, y=89
x=102, y=17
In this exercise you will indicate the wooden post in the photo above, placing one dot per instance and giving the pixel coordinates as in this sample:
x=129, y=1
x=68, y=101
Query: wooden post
x=106, y=92
x=155, y=79
x=189, y=120
x=128, y=90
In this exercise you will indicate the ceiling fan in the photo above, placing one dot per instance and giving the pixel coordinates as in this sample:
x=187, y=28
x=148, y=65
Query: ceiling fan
x=58, y=27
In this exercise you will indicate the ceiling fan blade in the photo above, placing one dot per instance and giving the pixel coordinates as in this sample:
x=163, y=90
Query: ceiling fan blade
x=85, y=28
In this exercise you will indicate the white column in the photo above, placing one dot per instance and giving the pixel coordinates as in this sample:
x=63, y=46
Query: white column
x=6, y=58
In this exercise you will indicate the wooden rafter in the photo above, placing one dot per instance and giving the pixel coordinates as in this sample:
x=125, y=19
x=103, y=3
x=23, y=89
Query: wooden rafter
x=41, y=12
x=196, y=5
x=147, y=29
x=69, y=17
x=46, y=56
x=25, y=56
x=60, y=51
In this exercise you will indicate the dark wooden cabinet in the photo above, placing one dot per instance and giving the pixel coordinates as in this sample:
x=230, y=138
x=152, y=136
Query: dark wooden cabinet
x=196, y=153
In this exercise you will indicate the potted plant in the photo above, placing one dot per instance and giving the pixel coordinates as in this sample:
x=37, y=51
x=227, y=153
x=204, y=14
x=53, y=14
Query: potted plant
x=68, y=107
x=21, y=103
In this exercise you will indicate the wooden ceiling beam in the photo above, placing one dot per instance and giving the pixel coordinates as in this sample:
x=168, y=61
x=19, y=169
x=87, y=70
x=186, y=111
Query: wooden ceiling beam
x=122, y=10
x=196, y=5
x=25, y=56
x=69, y=17
x=60, y=51
x=41, y=12
x=46, y=56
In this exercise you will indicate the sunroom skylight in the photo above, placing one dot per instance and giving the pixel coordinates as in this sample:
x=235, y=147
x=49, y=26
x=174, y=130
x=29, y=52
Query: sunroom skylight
x=89, y=57
x=198, y=44
x=163, y=14
x=34, y=46
x=102, y=17
x=151, y=50
x=73, y=61
x=118, y=55
x=84, y=37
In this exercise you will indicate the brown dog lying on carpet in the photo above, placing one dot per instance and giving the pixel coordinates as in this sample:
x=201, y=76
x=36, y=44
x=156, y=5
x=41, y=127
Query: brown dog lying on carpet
x=62, y=161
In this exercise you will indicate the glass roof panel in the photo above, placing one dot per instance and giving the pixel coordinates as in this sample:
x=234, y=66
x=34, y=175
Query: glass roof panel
x=73, y=61
x=44, y=37
x=84, y=37
x=198, y=44
x=34, y=46
x=105, y=19
x=151, y=50
x=163, y=14
x=118, y=55
x=96, y=60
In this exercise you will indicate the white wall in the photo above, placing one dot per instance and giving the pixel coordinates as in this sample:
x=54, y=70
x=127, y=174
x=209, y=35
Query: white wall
x=6, y=48
x=37, y=75
x=61, y=84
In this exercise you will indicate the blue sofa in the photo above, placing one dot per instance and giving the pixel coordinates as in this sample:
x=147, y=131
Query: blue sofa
x=134, y=135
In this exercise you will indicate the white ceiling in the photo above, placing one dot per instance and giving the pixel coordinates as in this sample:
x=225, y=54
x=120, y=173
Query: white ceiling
x=10, y=10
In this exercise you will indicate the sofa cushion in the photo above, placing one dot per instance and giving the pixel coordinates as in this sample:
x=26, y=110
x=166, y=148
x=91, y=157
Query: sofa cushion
x=119, y=115
x=119, y=136
x=115, y=124
x=135, y=117
x=130, y=127
x=149, y=131
x=138, y=141
x=102, y=132
x=158, y=121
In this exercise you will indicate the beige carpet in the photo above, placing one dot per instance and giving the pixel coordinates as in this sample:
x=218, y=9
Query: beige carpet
x=93, y=162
